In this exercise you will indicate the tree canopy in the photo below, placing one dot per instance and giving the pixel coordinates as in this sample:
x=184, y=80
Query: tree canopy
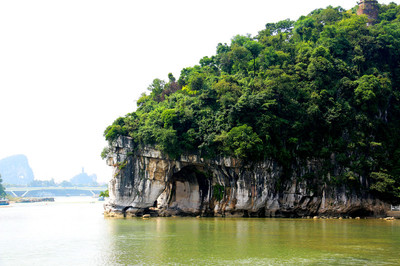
x=325, y=86
x=2, y=190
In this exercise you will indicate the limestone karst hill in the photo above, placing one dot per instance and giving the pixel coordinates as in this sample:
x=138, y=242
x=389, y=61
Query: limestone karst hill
x=16, y=170
x=310, y=110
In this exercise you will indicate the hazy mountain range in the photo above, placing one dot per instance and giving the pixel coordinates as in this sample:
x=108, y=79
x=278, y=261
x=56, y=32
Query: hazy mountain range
x=16, y=170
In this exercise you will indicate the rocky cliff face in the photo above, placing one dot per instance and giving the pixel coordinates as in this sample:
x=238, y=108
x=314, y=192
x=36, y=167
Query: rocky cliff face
x=147, y=181
x=15, y=170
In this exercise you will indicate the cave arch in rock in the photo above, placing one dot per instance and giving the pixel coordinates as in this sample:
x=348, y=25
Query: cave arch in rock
x=188, y=190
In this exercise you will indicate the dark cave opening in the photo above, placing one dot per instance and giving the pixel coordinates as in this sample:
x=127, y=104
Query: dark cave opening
x=361, y=213
x=189, y=190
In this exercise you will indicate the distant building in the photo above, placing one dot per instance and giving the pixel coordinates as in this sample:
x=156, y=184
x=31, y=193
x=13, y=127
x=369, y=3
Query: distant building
x=83, y=179
x=369, y=8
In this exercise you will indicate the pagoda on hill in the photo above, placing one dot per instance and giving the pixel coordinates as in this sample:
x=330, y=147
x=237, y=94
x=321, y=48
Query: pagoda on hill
x=369, y=8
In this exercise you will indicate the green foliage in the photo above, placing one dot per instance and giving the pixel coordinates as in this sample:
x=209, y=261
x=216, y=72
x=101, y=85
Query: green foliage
x=156, y=89
x=372, y=93
x=171, y=78
x=104, y=194
x=323, y=87
x=384, y=182
x=385, y=185
x=122, y=165
x=104, y=153
x=2, y=189
x=116, y=129
x=241, y=141
x=218, y=192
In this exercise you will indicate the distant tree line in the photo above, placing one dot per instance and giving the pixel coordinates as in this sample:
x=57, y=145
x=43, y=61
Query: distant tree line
x=52, y=183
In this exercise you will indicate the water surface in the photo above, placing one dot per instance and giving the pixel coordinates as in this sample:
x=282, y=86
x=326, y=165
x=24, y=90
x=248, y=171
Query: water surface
x=72, y=231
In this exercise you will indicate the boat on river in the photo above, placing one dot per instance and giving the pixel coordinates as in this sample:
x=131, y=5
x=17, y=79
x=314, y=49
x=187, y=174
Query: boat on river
x=4, y=202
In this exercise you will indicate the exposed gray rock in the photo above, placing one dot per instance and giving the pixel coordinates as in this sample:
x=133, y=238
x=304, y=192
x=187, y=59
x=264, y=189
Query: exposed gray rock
x=146, y=181
x=15, y=170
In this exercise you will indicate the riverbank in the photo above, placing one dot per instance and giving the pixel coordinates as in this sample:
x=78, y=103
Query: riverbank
x=395, y=214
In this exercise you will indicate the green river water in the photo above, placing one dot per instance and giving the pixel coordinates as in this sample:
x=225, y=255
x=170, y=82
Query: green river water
x=72, y=231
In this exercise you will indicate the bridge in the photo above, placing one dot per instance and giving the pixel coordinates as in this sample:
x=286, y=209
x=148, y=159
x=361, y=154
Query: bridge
x=53, y=191
x=395, y=208
x=394, y=211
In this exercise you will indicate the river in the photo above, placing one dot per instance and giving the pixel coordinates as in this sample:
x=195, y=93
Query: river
x=72, y=231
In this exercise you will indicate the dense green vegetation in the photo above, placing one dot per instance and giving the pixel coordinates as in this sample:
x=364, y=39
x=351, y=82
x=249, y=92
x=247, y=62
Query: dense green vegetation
x=104, y=194
x=2, y=190
x=323, y=87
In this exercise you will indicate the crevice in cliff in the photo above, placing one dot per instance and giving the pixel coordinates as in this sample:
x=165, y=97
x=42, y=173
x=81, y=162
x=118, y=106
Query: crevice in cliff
x=124, y=210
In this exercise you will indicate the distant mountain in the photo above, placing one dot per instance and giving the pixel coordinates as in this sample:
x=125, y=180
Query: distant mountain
x=84, y=179
x=15, y=170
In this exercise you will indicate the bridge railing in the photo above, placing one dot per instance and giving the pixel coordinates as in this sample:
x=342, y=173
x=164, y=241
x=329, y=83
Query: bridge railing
x=395, y=208
x=53, y=191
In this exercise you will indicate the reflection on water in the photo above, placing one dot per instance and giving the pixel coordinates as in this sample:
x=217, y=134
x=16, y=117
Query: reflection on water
x=260, y=241
x=75, y=233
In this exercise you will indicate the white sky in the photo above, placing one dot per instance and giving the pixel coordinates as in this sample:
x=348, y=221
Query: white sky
x=69, y=68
